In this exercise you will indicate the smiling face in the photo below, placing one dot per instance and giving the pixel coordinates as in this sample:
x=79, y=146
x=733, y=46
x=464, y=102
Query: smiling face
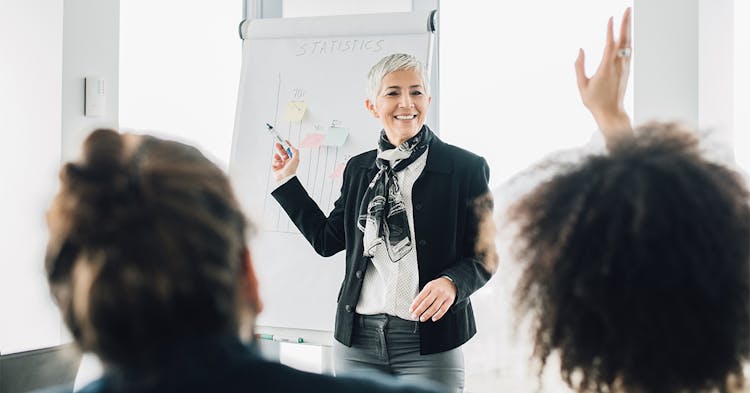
x=401, y=104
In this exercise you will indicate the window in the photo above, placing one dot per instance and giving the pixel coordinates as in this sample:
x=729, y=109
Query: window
x=30, y=99
x=179, y=71
x=741, y=84
x=507, y=83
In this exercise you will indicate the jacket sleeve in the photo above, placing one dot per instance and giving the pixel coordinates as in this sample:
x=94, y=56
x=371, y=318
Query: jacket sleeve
x=325, y=234
x=479, y=260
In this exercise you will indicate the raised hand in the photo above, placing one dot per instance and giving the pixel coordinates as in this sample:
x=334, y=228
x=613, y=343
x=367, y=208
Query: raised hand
x=603, y=94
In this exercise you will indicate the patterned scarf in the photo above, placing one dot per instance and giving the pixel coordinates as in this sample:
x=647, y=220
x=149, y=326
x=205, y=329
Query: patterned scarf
x=382, y=214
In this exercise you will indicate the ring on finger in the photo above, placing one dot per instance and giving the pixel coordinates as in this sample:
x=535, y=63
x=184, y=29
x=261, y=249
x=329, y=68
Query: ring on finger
x=624, y=52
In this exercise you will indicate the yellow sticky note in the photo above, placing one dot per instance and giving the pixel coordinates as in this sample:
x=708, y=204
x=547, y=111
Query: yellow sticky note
x=295, y=110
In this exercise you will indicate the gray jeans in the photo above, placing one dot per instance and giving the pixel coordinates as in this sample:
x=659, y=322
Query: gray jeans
x=387, y=344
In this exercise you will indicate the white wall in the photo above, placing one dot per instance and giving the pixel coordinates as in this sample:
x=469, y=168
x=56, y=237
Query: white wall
x=30, y=107
x=295, y=8
x=665, y=59
x=684, y=62
x=507, y=81
x=180, y=71
x=741, y=94
x=716, y=75
x=716, y=64
x=50, y=46
x=90, y=48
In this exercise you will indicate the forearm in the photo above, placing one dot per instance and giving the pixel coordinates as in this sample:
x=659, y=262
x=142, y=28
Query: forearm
x=325, y=234
x=479, y=259
x=615, y=127
x=468, y=275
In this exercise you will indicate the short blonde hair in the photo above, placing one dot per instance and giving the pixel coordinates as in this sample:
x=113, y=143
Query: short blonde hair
x=392, y=63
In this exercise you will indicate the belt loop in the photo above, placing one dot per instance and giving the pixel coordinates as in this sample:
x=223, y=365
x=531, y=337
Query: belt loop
x=416, y=326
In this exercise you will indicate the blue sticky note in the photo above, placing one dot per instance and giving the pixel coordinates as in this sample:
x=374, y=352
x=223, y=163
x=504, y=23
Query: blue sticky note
x=336, y=136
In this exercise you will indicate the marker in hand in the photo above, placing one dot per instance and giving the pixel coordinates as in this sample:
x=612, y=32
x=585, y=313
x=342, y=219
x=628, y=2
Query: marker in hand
x=280, y=140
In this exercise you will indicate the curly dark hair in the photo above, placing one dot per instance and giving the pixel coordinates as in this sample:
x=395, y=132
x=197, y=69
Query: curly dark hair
x=637, y=267
x=146, y=247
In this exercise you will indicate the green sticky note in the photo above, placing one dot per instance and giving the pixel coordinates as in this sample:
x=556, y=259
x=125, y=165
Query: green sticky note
x=336, y=136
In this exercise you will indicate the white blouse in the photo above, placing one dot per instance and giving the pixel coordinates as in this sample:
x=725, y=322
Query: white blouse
x=388, y=287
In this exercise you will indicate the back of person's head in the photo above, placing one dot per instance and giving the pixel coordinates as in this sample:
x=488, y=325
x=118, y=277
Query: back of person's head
x=146, y=247
x=636, y=268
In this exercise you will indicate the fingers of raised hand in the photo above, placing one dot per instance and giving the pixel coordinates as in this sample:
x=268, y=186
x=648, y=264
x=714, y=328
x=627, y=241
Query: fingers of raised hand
x=610, y=33
x=581, y=70
x=625, y=30
x=623, y=47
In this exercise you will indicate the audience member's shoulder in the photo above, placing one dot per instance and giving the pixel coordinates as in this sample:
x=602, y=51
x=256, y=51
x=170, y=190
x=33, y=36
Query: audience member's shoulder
x=280, y=378
x=93, y=387
x=54, y=389
x=263, y=376
x=386, y=383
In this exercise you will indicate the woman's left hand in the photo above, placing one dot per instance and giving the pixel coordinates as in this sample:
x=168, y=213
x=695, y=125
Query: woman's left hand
x=433, y=302
x=604, y=93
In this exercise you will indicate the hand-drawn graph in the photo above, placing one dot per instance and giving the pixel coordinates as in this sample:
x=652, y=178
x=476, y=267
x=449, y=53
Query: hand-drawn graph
x=320, y=166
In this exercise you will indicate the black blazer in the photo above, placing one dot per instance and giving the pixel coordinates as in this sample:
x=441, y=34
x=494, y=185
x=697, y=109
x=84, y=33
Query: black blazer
x=446, y=225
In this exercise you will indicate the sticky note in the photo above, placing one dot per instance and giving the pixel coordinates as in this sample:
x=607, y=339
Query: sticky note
x=311, y=141
x=336, y=136
x=295, y=110
x=338, y=171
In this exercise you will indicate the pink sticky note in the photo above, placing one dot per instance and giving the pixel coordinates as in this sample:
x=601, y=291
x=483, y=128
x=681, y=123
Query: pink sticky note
x=338, y=171
x=312, y=140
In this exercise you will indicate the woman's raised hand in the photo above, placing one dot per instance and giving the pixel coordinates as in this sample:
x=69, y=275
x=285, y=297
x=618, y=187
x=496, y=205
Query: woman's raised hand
x=603, y=94
x=283, y=166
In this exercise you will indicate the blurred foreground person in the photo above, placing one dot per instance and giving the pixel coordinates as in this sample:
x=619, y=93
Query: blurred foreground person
x=149, y=264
